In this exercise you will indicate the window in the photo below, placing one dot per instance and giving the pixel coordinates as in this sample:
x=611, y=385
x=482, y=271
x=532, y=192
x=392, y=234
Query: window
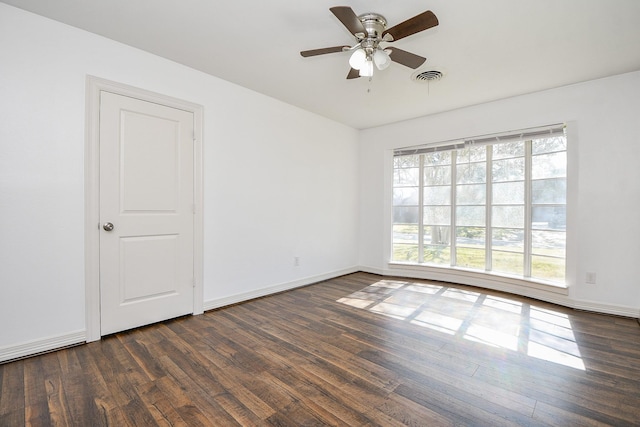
x=495, y=204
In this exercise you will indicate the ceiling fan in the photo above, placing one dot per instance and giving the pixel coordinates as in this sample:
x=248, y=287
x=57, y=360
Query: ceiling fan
x=370, y=30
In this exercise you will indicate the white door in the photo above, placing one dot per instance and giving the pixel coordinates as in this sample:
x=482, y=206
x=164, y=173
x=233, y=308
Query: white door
x=146, y=212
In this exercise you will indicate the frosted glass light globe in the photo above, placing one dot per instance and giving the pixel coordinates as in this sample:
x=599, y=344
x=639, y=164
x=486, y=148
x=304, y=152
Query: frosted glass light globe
x=381, y=59
x=367, y=69
x=358, y=59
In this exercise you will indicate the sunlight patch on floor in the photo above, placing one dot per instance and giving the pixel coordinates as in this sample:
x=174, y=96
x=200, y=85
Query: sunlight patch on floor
x=437, y=322
x=490, y=320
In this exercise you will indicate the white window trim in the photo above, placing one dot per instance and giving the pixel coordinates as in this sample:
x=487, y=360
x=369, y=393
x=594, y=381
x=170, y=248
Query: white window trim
x=489, y=280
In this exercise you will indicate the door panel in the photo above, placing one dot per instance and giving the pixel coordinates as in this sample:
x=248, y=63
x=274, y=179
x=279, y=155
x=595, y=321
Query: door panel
x=149, y=185
x=146, y=192
x=148, y=267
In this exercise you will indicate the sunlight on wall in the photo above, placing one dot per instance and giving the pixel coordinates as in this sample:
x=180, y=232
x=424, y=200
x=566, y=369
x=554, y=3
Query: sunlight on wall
x=494, y=321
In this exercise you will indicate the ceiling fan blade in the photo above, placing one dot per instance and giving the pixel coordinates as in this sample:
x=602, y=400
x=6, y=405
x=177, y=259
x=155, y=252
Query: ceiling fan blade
x=353, y=74
x=405, y=58
x=418, y=23
x=349, y=19
x=323, y=51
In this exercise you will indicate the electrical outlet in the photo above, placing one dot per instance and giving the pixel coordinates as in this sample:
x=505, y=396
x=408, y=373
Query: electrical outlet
x=591, y=278
x=296, y=261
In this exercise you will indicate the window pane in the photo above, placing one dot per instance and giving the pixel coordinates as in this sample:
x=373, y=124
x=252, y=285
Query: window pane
x=508, y=170
x=405, y=233
x=552, y=243
x=405, y=215
x=508, y=193
x=470, y=258
x=437, y=215
x=437, y=158
x=437, y=235
x=549, y=145
x=437, y=195
x=408, y=177
x=406, y=253
x=549, y=217
x=549, y=165
x=546, y=268
x=470, y=216
x=470, y=236
x=471, y=154
x=551, y=191
x=508, y=239
x=437, y=254
x=470, y=173
x=437, y=175
x=406, y=161
x=507, y=262
x=507, y=216
x=405, y=196
x=508, y=150
x=471, y=194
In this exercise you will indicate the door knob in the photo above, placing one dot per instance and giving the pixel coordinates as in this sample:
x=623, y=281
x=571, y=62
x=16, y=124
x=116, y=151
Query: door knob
x=107, y=226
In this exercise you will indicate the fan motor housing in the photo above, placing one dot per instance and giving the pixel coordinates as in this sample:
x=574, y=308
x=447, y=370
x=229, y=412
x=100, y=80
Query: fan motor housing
x=374, y=24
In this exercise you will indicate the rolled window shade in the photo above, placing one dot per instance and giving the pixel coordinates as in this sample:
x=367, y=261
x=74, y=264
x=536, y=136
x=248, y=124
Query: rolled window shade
x=428, y=149
x=499, y=138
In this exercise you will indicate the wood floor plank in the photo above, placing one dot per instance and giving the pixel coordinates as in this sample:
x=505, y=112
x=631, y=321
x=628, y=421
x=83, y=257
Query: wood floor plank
x=90, y=396
x=35, y=393
x=567, y=394
x=56, y=397
x=356, y=350
x=12, y=391
x=13, y=418
x=447, y=392
x=321, y=399
x=470, y=384
x=160, y=406
x=554, y=415
x=229, y=374
x=410, y=413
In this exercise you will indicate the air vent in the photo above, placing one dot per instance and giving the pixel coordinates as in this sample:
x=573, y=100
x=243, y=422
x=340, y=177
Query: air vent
x=427, y=76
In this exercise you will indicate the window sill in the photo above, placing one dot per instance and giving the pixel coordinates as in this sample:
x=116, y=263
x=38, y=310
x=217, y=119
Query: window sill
x=500, y=282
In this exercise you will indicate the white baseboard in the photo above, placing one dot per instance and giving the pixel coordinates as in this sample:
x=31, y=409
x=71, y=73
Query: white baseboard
x=541, y=294
x=234, y=299
x=616, y=310
x=31, y=348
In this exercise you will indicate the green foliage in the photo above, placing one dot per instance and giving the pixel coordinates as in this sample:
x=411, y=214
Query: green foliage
x=470, y=258
x=405, y=253
x=470, y=232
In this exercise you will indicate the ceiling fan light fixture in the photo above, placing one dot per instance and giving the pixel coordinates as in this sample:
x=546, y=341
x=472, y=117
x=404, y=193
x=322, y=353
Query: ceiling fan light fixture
x=358, y=59
x=381, y=59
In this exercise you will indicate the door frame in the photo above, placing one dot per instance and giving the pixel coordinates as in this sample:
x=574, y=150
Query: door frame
x=95, y=85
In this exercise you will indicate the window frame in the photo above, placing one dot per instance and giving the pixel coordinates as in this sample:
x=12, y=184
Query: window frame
x=528, y=229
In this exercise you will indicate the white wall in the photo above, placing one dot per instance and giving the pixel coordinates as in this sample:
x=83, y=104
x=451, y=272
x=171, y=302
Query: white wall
x=604, y=179
x=279, y=181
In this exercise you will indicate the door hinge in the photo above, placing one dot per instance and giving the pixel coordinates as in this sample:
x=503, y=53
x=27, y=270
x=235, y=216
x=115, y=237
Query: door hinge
x=193, y=282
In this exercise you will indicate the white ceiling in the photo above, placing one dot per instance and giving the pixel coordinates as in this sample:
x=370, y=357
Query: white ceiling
x=488, y=50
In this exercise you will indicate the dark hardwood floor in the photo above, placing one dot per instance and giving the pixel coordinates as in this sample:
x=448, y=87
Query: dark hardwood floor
x=355, y=350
